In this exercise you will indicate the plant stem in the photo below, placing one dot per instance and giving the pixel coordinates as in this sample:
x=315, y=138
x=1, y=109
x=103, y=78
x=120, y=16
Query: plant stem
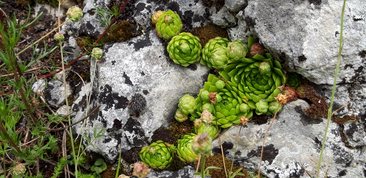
x=203, y=165
x=334, y=87
x=119, y=162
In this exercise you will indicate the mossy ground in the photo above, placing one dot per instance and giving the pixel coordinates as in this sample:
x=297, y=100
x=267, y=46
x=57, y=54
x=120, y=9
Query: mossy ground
x=318, y=105
x=208, y=32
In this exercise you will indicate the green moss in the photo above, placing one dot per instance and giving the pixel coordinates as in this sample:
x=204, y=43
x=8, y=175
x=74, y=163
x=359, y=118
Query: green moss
x=208, y=32
x=121, y=30
x=85, y=42
x=318, y=106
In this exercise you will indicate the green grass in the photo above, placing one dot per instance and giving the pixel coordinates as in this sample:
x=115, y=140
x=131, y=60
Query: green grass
x=30, y=132
x=334, y=87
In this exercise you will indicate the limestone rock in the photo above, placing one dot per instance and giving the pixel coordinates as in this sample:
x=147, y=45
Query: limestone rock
x=223, y=18
x=55, y=93
x=307, y=33
x=292, y=146
x=137, y=92
x=39, y=86
x=235, y=5
x=185, y=172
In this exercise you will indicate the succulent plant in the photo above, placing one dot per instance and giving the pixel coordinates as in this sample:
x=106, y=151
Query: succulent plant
x=184, y=148
x=274, y=107
x=168, y=25
x=214, y=53
x=201, y=127
x=157, y=155
x=204, y=123
x=184, y=49
x=228, y=107
x=18, y=170
x=236, y=50
x=187, y=104
x=256, y=81
x=179, y=116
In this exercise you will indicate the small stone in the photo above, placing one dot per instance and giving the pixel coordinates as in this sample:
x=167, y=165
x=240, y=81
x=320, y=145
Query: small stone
x=55, y=93
x=64, y=111
x=223, y=18
x=235, y=5
x=39, y=86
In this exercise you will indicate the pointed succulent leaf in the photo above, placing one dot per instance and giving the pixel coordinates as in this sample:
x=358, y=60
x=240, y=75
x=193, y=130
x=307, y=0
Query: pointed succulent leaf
x=184, y=49
x=184, y=148
x=236, y=50
x=158, y=155
x=187, y=104
x=214, y=53
x=168, y=25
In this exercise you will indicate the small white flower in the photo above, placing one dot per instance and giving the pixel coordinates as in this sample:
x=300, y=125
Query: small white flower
x=74, y=13
x=59, y=37
x=18, y=169
x=97, y=53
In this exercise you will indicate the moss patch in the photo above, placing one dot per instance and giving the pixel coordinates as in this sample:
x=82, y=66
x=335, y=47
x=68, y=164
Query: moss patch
x=121, y=30
x=318, y=106
x=173, y=132
x=208, y=32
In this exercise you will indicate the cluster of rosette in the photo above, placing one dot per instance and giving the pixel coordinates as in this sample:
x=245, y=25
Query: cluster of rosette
x=246, y=82
x=243, y=85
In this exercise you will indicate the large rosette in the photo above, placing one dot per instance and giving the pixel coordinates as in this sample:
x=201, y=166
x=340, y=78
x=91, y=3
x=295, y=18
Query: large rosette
x=257, y=81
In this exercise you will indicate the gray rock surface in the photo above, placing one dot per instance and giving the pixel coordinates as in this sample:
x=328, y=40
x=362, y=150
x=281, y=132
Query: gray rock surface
x=137, y=87
x=138, y=91
x=192, y=13
x=185, y=172
x=223, y=18
x=291, y=147
x=235, y=5
x=241, y=31
x=39, y=86
x=307, y=33
x=55, y=93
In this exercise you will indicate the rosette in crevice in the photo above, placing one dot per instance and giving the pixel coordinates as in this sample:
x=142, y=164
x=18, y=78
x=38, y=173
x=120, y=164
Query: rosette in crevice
x=157, y=155
x=168, y=24
x=218, y=52
x=184, y=49
x=214, y=53
x=256, y=81
x=225, y=105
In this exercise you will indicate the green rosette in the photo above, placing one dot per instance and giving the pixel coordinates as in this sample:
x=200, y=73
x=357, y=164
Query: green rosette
x=158, y=155
x=187, y=104
x=184, y=148
x=212, y=130
x=236, y=50
x=256, y=80
x=168, y=25
x=184, y=49
x=227, y=105
x=214, y=53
